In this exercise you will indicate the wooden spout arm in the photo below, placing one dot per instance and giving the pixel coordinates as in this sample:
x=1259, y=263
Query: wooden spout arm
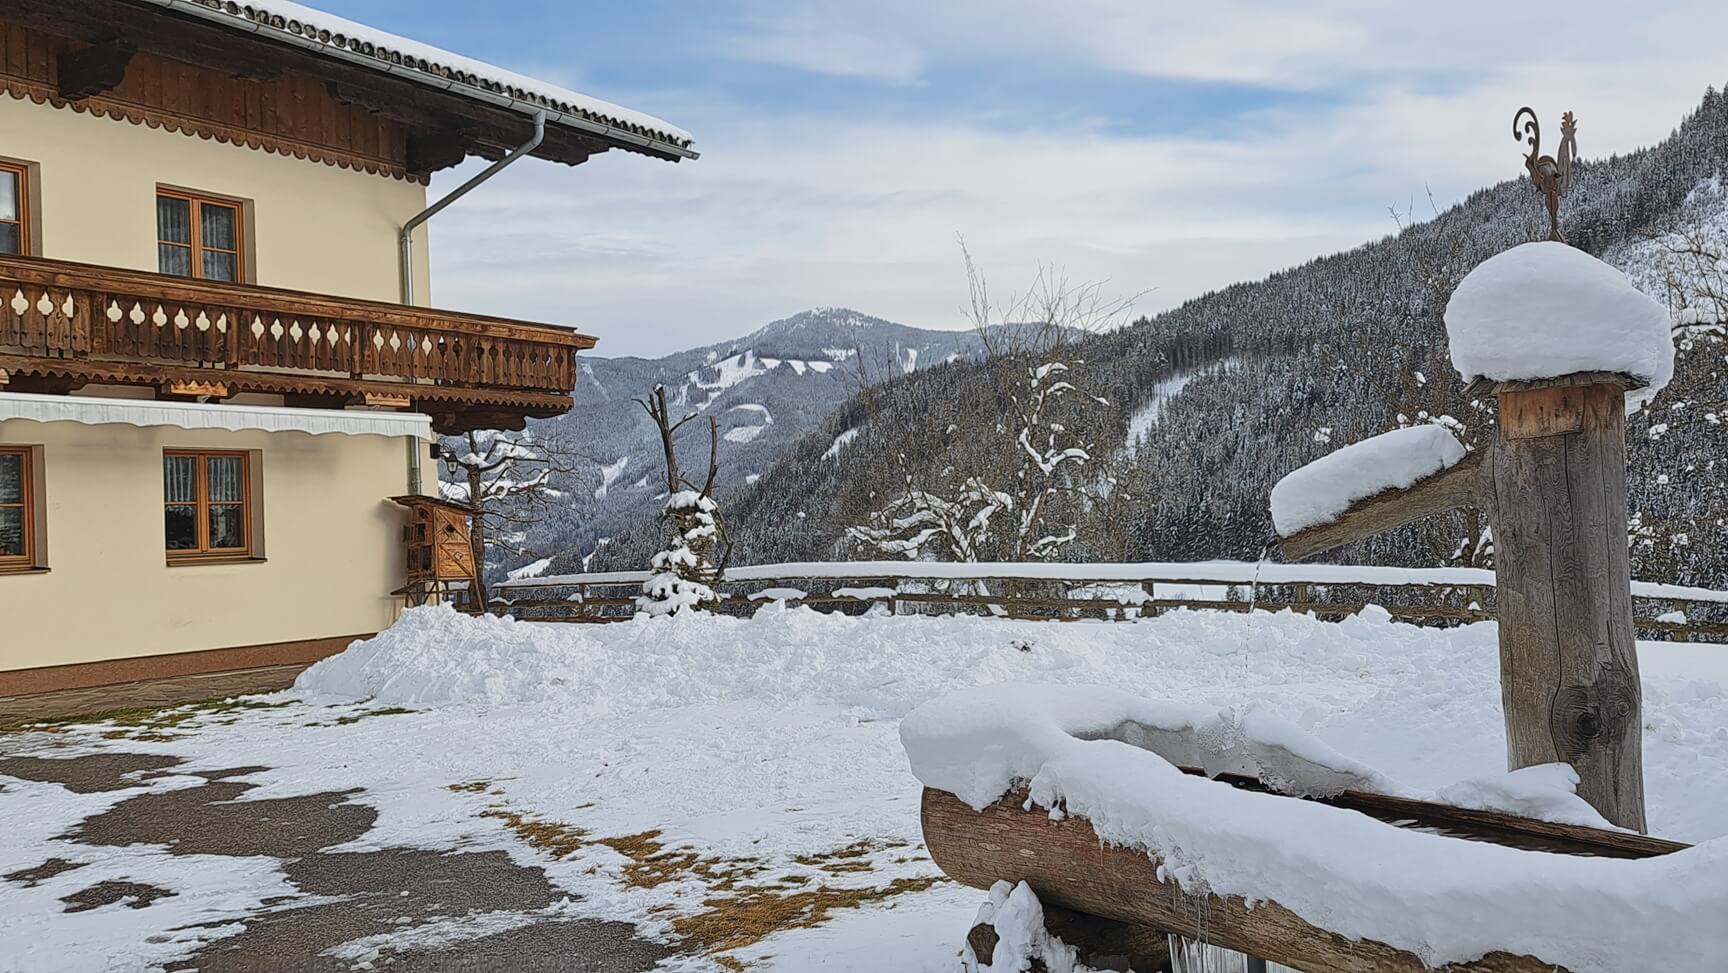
x=1464, y=484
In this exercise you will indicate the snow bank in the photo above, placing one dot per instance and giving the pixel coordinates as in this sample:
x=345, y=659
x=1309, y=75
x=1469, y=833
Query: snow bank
x=1421, y=705
x=1107, y=757
x=436, y=656
x=1319, y=492
x=1543, y=310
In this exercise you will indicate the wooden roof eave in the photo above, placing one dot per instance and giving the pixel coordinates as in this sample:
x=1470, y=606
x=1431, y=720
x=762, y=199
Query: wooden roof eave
x=218, y=41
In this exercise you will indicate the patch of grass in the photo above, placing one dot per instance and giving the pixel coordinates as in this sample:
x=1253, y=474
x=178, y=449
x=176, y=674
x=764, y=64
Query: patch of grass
x=557, y=840
x=734, y=921
x=842, y=868
x=141, y=719
x=651, y=864
x=368, y=714
x=735, y=912
x=354, y=718
x=470, y=787
x=848, y=860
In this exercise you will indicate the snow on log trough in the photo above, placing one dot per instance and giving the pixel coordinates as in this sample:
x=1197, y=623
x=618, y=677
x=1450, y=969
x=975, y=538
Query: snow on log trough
x=1547, y=310
x=1080, y=793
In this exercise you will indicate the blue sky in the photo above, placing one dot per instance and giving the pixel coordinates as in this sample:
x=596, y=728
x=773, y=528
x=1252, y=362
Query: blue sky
x=1168, y=148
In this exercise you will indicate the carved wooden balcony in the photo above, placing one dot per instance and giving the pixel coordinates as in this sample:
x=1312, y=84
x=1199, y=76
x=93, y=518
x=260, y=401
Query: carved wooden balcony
x=65, y=325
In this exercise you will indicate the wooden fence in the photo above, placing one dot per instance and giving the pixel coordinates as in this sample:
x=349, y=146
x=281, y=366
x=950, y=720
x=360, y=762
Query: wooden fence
x=1067, y=592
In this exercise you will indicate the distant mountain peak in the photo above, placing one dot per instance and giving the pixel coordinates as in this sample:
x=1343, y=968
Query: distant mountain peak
x=824, y=318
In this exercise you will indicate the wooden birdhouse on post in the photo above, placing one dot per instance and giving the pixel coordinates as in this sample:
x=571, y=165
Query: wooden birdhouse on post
x=1560, y=338
x=437, y=547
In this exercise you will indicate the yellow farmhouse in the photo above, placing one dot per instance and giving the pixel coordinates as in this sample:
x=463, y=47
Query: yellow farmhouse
x=216, y=362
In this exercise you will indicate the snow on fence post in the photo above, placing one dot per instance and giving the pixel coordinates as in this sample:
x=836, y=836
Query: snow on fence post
x=1560, y=338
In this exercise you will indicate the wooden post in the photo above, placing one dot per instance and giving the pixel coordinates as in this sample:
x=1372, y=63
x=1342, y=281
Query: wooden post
x=1568, y=663
x=1554, y=486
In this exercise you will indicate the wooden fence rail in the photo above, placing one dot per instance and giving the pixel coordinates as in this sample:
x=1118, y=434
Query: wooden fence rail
x=1101, y=592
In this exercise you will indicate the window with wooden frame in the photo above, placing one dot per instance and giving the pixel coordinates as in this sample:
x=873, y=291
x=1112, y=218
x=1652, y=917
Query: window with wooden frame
x=207, y=504
x=199, y=236
x=17, y=509
x=14, y=208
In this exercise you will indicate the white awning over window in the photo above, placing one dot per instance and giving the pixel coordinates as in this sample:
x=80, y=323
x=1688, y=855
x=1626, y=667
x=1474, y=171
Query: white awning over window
x=193, y=415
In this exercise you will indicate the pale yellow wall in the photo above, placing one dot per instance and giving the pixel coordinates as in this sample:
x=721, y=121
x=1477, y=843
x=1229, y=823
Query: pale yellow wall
x=332, y=546
x=315, y=227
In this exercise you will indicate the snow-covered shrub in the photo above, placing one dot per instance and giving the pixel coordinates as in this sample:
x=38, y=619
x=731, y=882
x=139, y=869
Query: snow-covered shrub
x=684, y=574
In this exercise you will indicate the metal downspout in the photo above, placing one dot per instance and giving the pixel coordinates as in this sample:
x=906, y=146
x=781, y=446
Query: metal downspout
x=406, y=238
x=415, y=445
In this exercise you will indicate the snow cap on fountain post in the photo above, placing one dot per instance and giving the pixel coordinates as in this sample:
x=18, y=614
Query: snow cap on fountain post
x=1547, y=310
x=1567, y=346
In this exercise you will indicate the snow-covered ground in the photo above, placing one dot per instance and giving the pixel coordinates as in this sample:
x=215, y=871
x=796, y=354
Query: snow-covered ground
x=770, y=745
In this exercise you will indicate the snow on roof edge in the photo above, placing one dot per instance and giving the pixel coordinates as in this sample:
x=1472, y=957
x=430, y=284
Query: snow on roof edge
x=389, y=49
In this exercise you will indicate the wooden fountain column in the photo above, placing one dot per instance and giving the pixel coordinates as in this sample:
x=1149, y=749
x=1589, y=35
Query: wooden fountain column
x=1553, y=484
x=1568, y=663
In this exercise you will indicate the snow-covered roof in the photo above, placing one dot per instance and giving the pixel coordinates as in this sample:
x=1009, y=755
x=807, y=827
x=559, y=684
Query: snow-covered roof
x=460, y=75
x=1545, y=310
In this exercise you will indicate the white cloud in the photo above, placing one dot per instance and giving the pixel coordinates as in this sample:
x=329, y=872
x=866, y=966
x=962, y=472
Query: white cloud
x=819, y=45
x=1316, y=43
x=786, y=211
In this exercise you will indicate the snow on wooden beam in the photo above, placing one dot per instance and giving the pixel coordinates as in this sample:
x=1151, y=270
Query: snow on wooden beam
x=1461, y=485
x=1068, y=866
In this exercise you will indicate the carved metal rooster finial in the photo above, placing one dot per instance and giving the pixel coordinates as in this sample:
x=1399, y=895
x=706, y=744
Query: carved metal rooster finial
x=1552, y=174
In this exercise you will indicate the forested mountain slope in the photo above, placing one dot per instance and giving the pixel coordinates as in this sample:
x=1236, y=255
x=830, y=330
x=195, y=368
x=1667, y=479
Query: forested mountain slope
x=766, y=390
x=1207, y=405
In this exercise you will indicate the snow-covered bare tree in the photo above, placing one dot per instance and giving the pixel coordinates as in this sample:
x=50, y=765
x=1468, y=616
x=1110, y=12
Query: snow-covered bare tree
x=504, y=479
x=1017, y=489
x=1678, y=531
x=686, y=572
x=1418, y=381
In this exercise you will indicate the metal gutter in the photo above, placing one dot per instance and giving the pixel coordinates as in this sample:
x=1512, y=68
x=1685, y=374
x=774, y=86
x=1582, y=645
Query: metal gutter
x=406, y=238
x=568, y=119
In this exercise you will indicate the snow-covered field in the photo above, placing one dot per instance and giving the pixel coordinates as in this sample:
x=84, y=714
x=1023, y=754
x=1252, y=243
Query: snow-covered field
x=769, y=747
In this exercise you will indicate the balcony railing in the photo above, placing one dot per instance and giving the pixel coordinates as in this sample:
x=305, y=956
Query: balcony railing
x=129, y=321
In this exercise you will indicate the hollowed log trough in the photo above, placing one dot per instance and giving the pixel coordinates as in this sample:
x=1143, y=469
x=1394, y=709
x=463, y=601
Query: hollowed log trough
x=1106, y=895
